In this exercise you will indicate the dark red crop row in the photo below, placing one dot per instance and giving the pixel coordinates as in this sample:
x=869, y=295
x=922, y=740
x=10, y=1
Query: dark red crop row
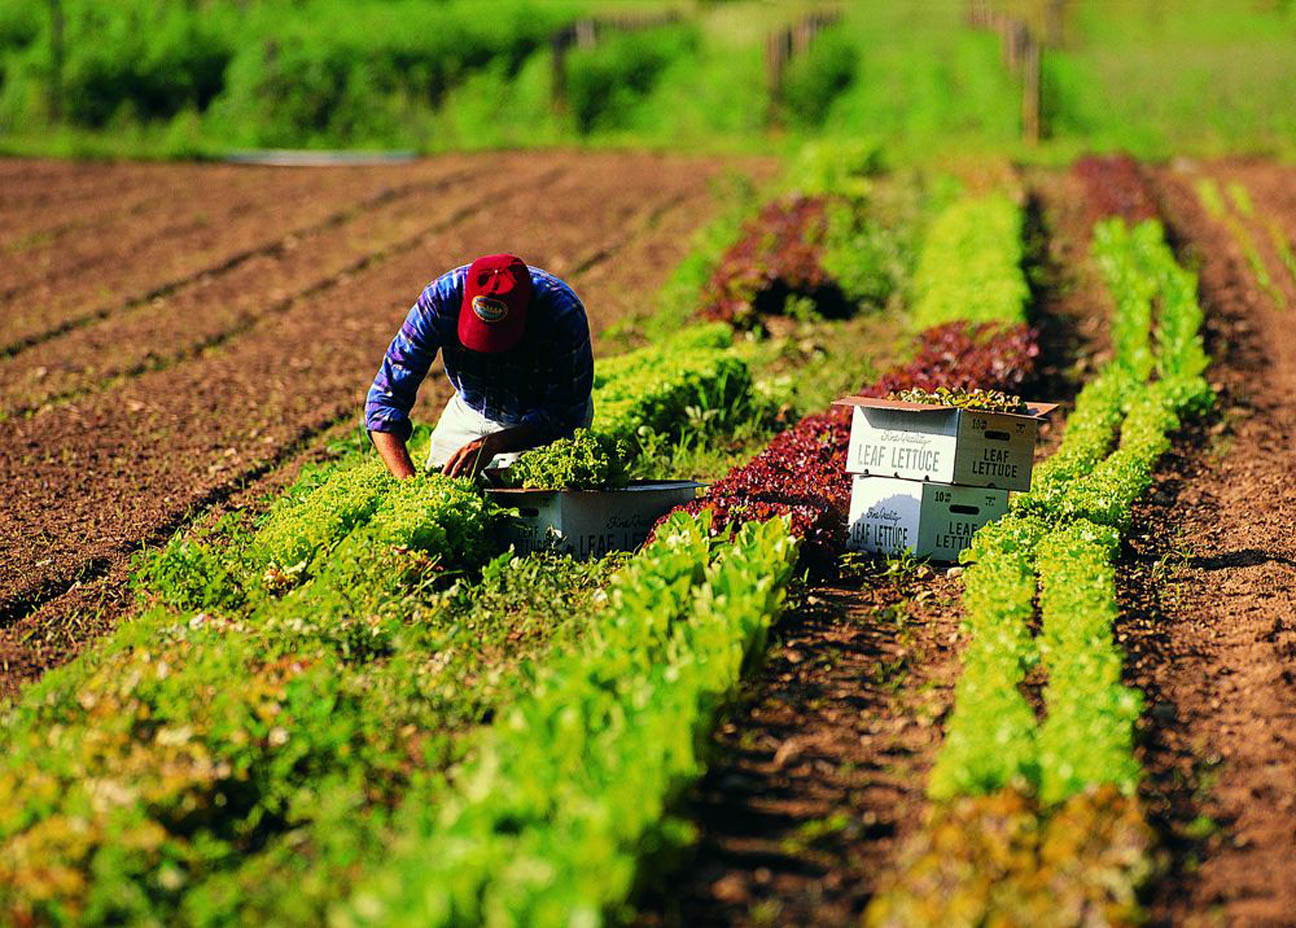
x=1114, y=186
x=802, y=472
x=778, y=255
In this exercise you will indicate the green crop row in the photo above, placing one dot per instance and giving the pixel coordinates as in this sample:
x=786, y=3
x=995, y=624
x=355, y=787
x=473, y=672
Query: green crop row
x=139, y=777
x=1065, y=532
x=1088, y=736
x=296, y=539
x=692, y=377
x=989, y=739
x=1062, y=537
x=969, y=268
x=1208, y=193
x=571, y=786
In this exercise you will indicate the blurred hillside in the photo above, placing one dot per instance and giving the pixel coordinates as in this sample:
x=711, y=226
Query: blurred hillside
x=193, y=77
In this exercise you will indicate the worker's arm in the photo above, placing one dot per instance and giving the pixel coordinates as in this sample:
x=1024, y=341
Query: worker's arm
x=469, y=460
x=391, y=448
x=404, y=366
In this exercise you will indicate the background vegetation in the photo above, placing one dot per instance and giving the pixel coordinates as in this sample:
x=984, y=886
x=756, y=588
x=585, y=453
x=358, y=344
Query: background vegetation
x=185, y=77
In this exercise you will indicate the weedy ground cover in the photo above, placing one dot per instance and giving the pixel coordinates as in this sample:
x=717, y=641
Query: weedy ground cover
x=571, y=787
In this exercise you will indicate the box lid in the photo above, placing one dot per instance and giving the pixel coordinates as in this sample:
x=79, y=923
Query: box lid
x=635, y=486
x=1034, y=410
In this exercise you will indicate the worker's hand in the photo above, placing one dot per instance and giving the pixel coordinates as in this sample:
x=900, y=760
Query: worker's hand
x=470, y=460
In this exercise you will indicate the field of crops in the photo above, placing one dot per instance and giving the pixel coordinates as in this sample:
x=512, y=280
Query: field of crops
x=330, y=695
x=249, y=677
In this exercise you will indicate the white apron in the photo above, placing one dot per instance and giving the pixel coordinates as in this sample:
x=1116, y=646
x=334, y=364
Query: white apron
x=460, y=424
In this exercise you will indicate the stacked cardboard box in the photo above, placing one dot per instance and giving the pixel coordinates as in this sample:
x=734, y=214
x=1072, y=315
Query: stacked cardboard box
x=926, y=477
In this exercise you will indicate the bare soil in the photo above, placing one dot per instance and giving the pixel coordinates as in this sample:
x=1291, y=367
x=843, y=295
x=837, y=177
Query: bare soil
x=1210, y=591
x=126, y=459
x=112, y=262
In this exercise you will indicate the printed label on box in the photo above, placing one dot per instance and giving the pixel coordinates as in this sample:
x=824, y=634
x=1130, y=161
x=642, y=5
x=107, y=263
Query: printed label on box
x=587, y=524
x=889, y=515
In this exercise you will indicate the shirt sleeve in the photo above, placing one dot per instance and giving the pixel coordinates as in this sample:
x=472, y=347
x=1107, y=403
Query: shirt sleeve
x=568, y=378
x=404, y=366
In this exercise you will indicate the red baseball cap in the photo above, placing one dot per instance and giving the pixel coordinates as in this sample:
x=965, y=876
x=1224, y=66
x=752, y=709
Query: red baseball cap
x=497, y=292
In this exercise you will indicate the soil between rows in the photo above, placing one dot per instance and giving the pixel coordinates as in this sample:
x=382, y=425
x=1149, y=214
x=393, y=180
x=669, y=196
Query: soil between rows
x=1210, y=593
x=113, y=263
x=90, y=480
x=219, y=305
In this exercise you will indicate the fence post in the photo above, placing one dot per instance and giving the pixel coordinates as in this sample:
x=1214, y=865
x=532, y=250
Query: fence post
x=56, y=60
x=1031, y=67
x=1055, y=23
x=559, y=42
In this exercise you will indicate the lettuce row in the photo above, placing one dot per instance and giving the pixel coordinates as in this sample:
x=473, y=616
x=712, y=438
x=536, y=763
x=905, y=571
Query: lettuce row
x=969, y=268
x=570, y=787
x=296, y=535
x=989, y=739
x=654, y=387
x=1120, y=254
x=1088, y=735
x=1065, y=532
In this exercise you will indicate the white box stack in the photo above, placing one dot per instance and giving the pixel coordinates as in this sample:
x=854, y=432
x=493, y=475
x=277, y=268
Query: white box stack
x=926, y=477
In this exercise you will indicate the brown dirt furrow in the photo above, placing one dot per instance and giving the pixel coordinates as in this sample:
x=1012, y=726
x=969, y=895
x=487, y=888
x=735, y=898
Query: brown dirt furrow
x=819, y=777
x=32, y=186
x=167, y=329
x=1212, y=625
x=44, y=227
x=90, y=479
x=155, y=201
x=120, y=215
x=213, y=230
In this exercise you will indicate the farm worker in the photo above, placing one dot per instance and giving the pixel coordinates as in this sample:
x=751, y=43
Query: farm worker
x=516, y=346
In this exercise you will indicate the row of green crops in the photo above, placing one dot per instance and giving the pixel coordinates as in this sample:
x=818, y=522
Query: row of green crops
x=1235, y=220
x=191, y=747
x=967, y=270
x=571, y=785
x=672, y=384
x=1060, y=543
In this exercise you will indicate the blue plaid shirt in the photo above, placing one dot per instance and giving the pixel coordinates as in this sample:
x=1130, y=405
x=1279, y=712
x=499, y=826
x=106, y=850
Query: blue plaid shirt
x=544, y=382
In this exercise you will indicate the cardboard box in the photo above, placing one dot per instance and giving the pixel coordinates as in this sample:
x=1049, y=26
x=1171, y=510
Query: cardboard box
x=946, y=444
x=889, y=515
x=590, y=523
